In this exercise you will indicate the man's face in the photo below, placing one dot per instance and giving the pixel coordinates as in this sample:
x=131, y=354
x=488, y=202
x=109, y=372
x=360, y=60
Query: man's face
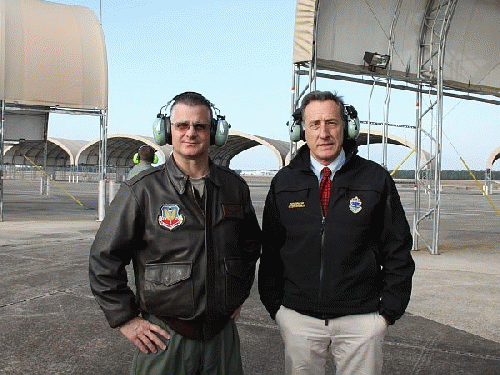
x=324, y=130
x=190, y=127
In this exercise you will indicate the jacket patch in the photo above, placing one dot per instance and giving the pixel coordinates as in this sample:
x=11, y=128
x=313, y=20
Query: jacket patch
x=355, y=205
x=296, y=204
x=232, y=210
x=170, y=217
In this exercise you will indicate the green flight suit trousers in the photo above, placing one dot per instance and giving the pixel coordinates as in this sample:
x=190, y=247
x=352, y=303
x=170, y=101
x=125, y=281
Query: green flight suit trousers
x=219, y=356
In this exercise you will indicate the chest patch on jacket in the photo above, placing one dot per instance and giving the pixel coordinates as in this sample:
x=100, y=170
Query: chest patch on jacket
x=170, y=217
x=355, y=205
x=232, y=211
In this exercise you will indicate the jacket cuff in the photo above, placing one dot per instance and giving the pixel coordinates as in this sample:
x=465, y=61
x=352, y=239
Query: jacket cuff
x=117, y=320
x=390, y=320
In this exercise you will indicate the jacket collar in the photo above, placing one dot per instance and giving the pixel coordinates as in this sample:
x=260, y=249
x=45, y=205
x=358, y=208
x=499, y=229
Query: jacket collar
x=179, y=179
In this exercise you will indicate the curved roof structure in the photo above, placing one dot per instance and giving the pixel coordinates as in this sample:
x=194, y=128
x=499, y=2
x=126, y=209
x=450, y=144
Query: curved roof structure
x=494, y=156
x=238, y=142
x=122, y=147
x=376, y=136
x=120, y=150
x=52, y=55
x=329, y=32
x=60, y=152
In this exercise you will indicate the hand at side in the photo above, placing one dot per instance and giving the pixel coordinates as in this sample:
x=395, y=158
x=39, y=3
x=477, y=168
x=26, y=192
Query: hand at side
x=144, y=335
x=236, y=314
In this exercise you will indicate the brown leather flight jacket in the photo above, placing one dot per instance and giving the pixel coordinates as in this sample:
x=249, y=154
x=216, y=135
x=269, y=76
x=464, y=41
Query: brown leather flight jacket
x=190, y=261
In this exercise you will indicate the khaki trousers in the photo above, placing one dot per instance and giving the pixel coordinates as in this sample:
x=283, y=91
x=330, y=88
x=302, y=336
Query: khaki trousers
x=354, y=341
x=219, y=356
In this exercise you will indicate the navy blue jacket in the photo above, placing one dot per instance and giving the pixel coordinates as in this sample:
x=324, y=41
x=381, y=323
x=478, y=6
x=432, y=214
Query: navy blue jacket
x=354, y=260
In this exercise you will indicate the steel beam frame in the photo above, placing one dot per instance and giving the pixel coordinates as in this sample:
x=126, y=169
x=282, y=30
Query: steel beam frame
x=102, y=150
x=429, y=120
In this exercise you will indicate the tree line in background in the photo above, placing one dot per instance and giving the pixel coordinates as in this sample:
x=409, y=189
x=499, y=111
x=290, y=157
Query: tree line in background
x=450, y=175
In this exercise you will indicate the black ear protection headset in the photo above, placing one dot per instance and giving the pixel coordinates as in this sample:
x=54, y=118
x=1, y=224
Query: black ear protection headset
x=219, y=127
x=351, y=128
x=137, y=158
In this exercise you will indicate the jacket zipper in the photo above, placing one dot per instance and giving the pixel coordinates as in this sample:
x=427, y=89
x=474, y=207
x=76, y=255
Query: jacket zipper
x=322, y=266
x=211, y=302
x=196, y=200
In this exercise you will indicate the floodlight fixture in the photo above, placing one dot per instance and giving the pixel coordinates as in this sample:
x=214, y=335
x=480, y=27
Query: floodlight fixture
x=376, y=60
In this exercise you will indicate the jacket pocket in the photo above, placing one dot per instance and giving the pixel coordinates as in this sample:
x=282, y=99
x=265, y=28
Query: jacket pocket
x=239, y=280
x=168, y=289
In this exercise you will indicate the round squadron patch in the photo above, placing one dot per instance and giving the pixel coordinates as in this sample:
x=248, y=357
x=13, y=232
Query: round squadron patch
x=355, y=205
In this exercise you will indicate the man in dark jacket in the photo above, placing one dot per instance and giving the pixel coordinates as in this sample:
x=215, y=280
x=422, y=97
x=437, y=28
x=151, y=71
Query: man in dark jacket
x=190, y=230
x=333, y=277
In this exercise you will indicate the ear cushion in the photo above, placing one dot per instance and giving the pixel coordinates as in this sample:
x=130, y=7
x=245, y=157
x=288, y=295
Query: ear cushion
x=213, y=130
x=168, y=130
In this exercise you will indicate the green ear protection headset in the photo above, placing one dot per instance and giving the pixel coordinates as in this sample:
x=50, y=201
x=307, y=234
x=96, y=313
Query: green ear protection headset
x=219, y=127
x=136, y=159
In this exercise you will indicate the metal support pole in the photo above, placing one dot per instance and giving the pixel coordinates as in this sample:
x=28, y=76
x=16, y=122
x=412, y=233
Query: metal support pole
x=113, y=189
x=102, y=166
x=385, y=133
x=369, y=121
x=418, y=148
x=102, y=200
x=2, y=127
x=388, y=86
x=488, y=186
x=44, y=190
x=437, y=171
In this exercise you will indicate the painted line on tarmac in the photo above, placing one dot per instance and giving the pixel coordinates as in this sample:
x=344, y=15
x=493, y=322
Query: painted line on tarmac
x=390, y=343
x=454, y=352
x=48, y=294
x=268, y=326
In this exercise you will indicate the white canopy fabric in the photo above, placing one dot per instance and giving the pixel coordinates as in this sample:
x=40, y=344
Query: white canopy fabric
x=52, y=55
x=343, y=30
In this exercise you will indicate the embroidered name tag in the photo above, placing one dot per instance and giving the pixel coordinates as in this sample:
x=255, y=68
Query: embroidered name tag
x=232, y=210
x=297, y=205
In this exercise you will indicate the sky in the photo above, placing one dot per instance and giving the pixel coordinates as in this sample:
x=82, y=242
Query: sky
x=238, y=54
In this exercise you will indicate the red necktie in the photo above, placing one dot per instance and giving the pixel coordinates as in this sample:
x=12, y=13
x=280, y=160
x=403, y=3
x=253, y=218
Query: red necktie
x=324, y=189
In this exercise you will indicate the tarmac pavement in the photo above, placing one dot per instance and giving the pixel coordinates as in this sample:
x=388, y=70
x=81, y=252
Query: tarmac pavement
x=50, y=323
